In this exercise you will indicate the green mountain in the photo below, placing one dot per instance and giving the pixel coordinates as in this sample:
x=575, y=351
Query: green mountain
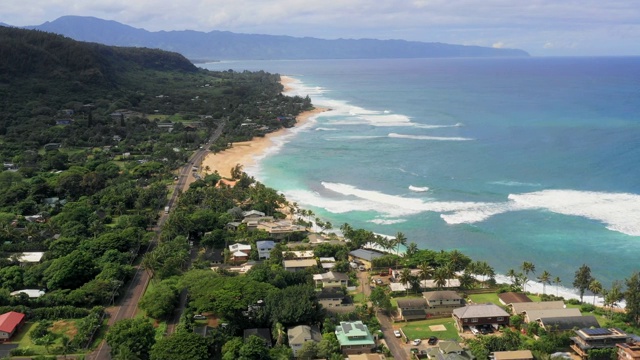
x=224, y=45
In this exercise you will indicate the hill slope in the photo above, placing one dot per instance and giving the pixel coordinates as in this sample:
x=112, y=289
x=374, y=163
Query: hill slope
x=226, y=45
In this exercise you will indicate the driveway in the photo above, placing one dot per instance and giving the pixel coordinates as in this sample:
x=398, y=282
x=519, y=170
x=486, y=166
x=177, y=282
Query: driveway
x=5, y=350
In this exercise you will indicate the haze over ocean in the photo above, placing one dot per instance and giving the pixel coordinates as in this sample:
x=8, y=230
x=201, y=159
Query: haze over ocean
x=507, y=160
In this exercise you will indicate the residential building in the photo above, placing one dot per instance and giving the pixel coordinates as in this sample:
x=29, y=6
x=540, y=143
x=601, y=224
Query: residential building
x=412, y=309
x=10, y=323
x=513, y=355
x=239, y=252
x=520, y=308
x=304, y=254
x=371, y=356
x=449, y=350
x=510, y=297
x=331, y=279
x=299, y=265
x=264, y=248
x=327, y=263
x=629, y=351
x=354, y=338
x=252, y=214
x=442, y=302
x=27, y=257
x=568, y=323
x=32, y=293
x=535, y=315
x=480, y=314
x=364, y=257
x=301, y=334
x=330, y=297
x=597, y=338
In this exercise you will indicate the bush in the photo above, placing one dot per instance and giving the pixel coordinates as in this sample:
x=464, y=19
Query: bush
x=573, y=302
x=22, y=352
x=587, y=308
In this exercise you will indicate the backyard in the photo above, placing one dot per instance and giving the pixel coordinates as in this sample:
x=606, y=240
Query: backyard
x=424, y=329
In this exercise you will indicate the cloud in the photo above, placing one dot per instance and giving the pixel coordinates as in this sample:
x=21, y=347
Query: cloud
x=498, y=45
x=516, y=24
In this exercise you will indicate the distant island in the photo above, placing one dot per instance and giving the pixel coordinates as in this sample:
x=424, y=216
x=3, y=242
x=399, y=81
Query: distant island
x=224, y=45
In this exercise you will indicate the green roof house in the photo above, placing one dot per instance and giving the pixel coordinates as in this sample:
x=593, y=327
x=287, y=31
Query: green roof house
x=354, y=337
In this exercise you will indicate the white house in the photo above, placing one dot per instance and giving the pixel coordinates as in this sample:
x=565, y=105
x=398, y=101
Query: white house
x=264, y=248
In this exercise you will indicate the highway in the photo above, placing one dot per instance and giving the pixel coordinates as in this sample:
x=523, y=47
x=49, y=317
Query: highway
x=128, y=303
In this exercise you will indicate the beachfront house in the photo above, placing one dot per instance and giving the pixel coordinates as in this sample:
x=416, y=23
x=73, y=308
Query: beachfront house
x=522, y=307
x=510, y=297
x=364, y=257
x=561, y=324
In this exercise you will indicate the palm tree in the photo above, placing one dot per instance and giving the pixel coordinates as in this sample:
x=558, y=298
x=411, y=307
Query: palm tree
x=412, y=249
x=151, y=262
x=346, y=230
x=527, y=267
x=455, y=260
x=400, y=239
x=557, y=281
x=544, y=278
x=596, y=288
x=466, y=281
x=426, y=271
x=279, y=333
x=513, y=275
x=405, y=278
x=441, y=275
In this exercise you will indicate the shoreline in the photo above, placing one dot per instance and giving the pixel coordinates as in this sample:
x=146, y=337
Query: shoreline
x=246, y=153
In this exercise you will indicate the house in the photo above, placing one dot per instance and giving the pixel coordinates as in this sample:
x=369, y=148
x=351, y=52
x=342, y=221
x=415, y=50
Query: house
x=449, y=350
x=35, y=218
x=330, y=297
x=239, y=252
x=534, y=315
x=327, y=263
x=10, y=323
x=354, y=338
x=264, y=248
x=280, y=230
x=597, y=338
x=520, y=308
x=27, y=257
x=364, y=257
x=480, y=314
x=263, y=333
x=412, y=309
x=442, y=302
x=628, y=351
x=252, y=214
x=568, y=323
x=299, y=265
x=331, y=279
x=32, y=293
x=300, y=334
x=509, y=298
x=306, y=254
x=513, y=355
x=366, y=357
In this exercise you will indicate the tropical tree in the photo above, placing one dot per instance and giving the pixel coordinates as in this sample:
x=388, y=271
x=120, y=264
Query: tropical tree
x=466, y=281
x=279, y=333
x=557, y=281
x=412, y=249
x=405, y=278
x=441, y=276
x=544, y=278
x=596, y=288
x=632, y=296
x=527, y=267
x=613, y=296
x=400, y=239
x=513, y=275
x=582, y=279
x=426, y=271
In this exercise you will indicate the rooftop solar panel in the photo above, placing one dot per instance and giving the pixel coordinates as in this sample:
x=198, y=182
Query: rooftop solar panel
x=597, y=331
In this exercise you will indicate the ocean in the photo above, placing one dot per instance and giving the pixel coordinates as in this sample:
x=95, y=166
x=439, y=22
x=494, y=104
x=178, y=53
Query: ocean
x=508, y=160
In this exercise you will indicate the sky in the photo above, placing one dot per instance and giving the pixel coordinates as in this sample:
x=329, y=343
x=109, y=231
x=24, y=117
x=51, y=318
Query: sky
x=540, y=27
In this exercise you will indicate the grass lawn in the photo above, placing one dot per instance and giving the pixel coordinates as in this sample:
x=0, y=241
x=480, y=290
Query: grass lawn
x=358, y=297
x=420, y=329
x=485, y=298
x=59, y=328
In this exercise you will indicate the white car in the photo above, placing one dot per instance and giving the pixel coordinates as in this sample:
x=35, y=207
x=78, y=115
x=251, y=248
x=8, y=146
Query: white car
x=397, y=333
x=474, y=330
x=417, y=342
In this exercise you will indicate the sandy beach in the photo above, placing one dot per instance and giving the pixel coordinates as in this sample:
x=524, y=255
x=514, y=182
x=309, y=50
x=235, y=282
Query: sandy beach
x=245, y=153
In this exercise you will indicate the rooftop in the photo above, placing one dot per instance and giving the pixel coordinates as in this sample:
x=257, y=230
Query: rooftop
x=480, y=311
x=365, y=254
x=513, y=297
x=519, y=308
x=353, y=333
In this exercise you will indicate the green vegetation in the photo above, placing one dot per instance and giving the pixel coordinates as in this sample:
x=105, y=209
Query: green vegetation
x=485, y=298
x=421, y=329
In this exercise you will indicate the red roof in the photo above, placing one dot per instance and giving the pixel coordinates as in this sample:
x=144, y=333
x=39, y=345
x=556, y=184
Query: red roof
x=9, y=321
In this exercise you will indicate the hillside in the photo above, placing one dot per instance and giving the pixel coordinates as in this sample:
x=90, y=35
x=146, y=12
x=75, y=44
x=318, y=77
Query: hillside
x=224, y=45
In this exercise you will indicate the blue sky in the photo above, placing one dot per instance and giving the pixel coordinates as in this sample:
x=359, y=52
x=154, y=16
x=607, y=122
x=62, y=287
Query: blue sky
x=541, y=27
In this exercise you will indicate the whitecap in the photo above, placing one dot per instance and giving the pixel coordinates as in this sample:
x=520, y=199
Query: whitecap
x=326, y=129
x=418, y=188
x=425, y=137
x=514, y=183
x=380, y=221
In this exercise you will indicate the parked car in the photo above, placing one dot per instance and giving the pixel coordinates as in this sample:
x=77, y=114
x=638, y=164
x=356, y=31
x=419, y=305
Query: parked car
x=397, y=333
x=417, y=342
x=199, y=317
x=379, y=281
x=361, y=268
x=432, y=340
x=474, y=330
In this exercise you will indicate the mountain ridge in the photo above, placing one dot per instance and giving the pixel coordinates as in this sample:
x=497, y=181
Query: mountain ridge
x=225, y=45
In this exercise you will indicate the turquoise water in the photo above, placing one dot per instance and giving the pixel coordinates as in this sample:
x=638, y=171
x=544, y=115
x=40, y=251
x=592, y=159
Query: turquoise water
x=508, y=160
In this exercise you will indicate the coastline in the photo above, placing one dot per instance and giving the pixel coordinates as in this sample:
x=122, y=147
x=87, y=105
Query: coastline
x=246, y=153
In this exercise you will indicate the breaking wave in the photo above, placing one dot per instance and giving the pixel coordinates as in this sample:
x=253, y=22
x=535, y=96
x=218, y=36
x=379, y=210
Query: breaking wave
x=418, y=188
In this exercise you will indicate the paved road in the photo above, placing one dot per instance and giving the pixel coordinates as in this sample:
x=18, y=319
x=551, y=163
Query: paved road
x=128, y=303
x=398, y=350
